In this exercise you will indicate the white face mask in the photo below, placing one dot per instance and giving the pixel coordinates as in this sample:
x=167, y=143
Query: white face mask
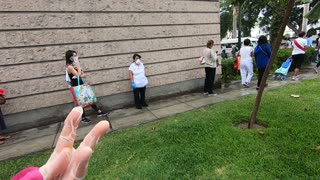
x=76, y=58
x=138, y=61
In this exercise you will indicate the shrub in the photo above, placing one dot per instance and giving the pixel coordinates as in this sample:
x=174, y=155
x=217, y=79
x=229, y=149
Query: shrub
x=228, y=72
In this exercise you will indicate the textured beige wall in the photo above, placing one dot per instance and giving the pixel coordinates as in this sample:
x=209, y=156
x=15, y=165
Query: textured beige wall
x=34, y=34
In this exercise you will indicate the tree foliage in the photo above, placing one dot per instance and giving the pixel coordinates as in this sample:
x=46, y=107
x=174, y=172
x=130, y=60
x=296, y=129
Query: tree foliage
x=270, y=15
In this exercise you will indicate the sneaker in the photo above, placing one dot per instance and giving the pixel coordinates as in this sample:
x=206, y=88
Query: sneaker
x=212, y=94
x=145, y=105
x=295, y=78
x=101, y=113
x=245, y=85
x=85, y=120
x=139, y=107
x=315, y=70
x=205, y=93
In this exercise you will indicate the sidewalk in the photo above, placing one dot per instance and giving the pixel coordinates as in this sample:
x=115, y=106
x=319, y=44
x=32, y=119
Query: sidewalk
x=45, y=137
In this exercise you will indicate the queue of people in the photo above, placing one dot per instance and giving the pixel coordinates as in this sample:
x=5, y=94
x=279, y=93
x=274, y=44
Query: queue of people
x=75, y=76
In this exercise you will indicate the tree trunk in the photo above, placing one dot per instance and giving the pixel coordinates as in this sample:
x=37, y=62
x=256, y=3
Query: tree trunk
x=275, y=49
x=293, y=28
x=234, y=22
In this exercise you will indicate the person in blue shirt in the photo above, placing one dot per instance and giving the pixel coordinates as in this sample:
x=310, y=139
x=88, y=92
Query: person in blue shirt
x=262, y=53
x=309, y=40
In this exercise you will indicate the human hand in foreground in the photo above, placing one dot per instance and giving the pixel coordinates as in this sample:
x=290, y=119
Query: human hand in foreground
x=66, y=162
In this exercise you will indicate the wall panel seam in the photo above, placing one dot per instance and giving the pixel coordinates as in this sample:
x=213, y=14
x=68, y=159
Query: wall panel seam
x=116, y=54
x=108, y=41
x=103, y=27
x=123, y=80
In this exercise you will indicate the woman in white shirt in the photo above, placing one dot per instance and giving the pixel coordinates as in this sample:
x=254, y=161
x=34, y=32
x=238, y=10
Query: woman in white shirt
x=210, y=58
x=246, y=54
x=139, y=81
x=299, y=47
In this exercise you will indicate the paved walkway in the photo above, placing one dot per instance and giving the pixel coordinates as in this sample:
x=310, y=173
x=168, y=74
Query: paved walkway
x=45, y=137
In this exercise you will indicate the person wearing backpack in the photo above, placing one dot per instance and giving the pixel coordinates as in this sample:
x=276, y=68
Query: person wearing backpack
x=299, y=47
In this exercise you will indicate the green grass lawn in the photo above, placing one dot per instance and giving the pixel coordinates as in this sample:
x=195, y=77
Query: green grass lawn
x=205, y=144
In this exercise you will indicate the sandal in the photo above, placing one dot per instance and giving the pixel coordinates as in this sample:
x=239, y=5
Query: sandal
x=2, y=142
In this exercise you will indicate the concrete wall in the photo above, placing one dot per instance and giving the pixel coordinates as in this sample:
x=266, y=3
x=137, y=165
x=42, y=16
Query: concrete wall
x=34, y=35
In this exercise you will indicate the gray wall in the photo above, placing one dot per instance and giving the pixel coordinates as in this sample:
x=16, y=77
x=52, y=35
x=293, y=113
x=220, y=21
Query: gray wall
x=34, y=34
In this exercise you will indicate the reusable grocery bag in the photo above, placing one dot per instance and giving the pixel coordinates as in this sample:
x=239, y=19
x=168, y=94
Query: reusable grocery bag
x=83, y=95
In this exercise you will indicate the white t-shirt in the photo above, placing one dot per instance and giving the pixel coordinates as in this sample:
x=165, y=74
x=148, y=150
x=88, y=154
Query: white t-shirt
x=302, y=42
x=245, y=53
x=138, y=74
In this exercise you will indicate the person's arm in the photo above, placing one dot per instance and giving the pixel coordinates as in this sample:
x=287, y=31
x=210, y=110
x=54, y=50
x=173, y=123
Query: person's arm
x=131, y=76
x=252, y=53
x=71, y=70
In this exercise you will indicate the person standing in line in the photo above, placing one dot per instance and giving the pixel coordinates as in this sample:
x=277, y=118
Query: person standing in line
x=289, y=43
x=262, y=53
x=246, y=63
x=74, y=70
x=309, y=40
x=139, y=81
x=299, y=47
x=2, y=123
x=233, y=50
x=210, y=58
x=318, y=52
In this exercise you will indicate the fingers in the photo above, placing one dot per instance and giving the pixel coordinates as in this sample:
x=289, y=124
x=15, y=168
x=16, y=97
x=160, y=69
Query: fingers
x=78, y=166
x=57, y=165
x=94, y=135
x=79, y=163
x=68, y=133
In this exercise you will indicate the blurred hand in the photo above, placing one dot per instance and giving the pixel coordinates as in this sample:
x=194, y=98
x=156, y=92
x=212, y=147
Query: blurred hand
x=133, y=85
x=66, y=162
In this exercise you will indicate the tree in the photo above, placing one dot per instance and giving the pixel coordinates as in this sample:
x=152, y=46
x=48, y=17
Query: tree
x=314, y=14
x=270, y=19
x=275, y=46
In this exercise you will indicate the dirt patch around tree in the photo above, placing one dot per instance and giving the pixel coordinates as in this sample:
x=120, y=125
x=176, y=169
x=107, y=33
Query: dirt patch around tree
x=244, y=125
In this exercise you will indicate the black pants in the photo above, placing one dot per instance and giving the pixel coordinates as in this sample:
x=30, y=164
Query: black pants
x=209, y=80
x=318, y=64
x=2, y=123
x=260, y=74
x=94, y=106
x=139, y=96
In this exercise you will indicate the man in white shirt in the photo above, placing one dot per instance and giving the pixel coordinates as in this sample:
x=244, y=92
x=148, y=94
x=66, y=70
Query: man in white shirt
x=299, y=47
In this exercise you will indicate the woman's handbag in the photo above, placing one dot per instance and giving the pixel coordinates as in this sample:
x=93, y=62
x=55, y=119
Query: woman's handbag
x=236, y=65
x=83, y=95
x=2, y=100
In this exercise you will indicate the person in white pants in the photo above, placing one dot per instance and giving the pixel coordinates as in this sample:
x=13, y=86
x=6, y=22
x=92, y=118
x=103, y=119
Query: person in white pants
x=246, y=63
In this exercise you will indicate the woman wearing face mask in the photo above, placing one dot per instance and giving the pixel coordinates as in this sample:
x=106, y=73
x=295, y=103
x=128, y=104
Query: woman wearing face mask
x=72, y=72
x=139, y=81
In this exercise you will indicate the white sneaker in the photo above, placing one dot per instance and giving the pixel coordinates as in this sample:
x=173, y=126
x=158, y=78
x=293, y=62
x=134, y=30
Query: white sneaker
x=212, y=94
x=295, y=78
